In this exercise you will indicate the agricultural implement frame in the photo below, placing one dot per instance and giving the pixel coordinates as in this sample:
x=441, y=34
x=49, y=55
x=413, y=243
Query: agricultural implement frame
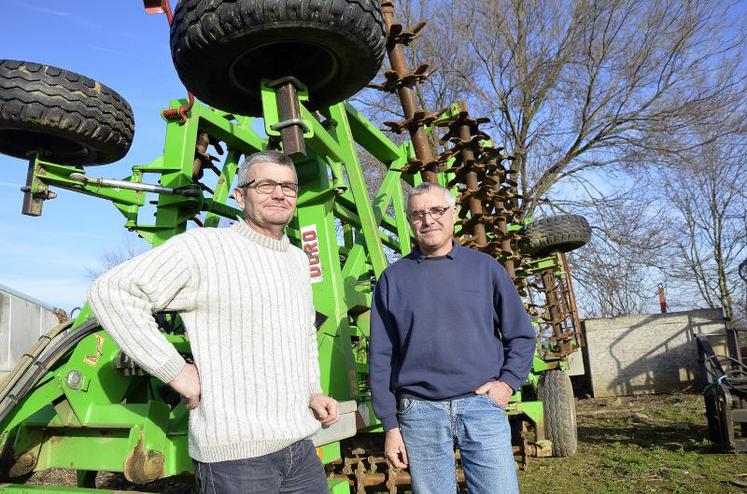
x=80, y=404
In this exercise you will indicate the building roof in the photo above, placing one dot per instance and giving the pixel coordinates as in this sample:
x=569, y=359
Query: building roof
x=27, y=298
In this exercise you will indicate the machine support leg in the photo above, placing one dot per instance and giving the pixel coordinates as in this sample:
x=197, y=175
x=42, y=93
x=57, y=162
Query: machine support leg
x=291, y=126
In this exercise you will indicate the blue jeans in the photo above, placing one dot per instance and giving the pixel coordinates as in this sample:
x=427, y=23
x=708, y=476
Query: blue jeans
x=475, y=424
x=292, y=470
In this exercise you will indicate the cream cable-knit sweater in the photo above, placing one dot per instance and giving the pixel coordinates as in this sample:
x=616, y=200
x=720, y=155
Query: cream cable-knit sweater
x=245, y=300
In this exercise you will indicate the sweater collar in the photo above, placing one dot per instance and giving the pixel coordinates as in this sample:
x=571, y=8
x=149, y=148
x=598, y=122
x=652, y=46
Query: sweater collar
x=420, y=257
x=253, y=235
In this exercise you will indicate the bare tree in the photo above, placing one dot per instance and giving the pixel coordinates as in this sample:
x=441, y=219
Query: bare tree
x=582, y=91
x=618, y=271
x=111, y=258
x=577, y=85
x=708, y=195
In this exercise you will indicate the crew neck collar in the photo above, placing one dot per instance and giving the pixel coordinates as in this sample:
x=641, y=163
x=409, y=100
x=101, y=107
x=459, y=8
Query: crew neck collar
x=249, y=233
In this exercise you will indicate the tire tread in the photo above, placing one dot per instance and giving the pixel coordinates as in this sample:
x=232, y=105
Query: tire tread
x=201, y=26
x=47, y=99
x=564, y=233
x=556, y=394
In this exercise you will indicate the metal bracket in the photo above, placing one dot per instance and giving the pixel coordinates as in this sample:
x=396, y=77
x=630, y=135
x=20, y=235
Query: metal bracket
x=35, y=192
x=290, y=123
x=275, y=83
x=281, y=101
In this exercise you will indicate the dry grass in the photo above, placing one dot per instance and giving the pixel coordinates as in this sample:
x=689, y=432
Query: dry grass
x=640, y=444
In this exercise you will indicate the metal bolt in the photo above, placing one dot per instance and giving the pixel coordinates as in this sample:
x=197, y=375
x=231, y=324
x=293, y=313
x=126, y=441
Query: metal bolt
x=74, y=379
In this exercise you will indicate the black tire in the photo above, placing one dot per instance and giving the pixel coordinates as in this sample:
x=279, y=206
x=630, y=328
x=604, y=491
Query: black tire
x=556, y=393
x=74, y=120
x=561, y=233
x=223, y=48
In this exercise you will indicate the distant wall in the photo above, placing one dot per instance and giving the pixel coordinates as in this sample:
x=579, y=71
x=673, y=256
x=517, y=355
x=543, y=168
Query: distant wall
x=653, y=353
x=22, y=321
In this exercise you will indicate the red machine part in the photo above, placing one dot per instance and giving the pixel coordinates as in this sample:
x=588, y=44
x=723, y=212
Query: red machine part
x=164, y=7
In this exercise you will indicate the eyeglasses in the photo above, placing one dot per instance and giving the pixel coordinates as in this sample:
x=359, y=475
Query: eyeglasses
x=267, y=186
x=419, y=215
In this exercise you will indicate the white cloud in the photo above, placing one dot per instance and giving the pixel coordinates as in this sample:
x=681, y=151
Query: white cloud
x=120, y=53
x=80, y=20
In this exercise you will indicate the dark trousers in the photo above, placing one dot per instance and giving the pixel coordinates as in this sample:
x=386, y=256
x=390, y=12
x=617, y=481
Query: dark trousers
x=292, y=470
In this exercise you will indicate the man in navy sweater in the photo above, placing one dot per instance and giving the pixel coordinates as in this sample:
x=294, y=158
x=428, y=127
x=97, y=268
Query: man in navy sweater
x=450, y=343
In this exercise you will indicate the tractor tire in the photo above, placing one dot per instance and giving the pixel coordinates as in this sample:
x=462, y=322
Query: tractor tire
x=223, y=48
x=69, y=118
x=561, y=233
x=556, y=394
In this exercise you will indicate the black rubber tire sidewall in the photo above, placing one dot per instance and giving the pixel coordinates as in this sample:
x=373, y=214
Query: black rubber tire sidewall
x=560, y=233
x=73, y=119
x=206, y=42
x=555, y=391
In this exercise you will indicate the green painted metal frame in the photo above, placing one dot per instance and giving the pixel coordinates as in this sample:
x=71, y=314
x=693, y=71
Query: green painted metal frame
x=106, y=417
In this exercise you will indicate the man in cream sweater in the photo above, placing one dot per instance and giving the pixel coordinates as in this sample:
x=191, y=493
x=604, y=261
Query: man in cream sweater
x=244, y=296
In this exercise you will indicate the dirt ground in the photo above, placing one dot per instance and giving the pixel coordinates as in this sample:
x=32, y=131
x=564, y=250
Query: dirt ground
x=626, y=445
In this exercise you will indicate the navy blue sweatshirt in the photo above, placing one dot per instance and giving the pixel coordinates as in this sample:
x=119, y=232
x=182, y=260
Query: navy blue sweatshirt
x=442, y=327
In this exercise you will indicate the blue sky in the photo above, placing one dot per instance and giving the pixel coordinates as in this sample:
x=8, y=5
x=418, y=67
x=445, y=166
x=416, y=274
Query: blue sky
x=116, y=43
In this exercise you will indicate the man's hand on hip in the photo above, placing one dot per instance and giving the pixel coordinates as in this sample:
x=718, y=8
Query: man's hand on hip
x=499, y=391
x=394, y=448
x=326, y=410
x=187, y=384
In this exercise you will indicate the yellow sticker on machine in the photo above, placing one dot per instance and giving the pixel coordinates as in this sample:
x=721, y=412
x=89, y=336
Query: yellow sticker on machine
x=93, y=360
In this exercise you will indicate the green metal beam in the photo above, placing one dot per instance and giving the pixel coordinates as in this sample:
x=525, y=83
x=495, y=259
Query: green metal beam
x=357, y=182
x=223, y=189
x=87, y=414
x=371, y=138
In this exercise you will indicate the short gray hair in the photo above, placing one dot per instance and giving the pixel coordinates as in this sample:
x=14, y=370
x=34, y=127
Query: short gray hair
x=427, y=187
x=269, y=156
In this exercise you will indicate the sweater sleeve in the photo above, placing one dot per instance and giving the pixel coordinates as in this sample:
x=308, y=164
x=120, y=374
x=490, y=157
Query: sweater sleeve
x=125, y=298
x=383, y=338
x=517, y=333
x=315, y=386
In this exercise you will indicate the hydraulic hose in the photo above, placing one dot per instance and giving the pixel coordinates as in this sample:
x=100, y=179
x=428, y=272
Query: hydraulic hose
x=37, y=363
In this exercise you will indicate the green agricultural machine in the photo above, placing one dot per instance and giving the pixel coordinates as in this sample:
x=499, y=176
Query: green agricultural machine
x=275, y=75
